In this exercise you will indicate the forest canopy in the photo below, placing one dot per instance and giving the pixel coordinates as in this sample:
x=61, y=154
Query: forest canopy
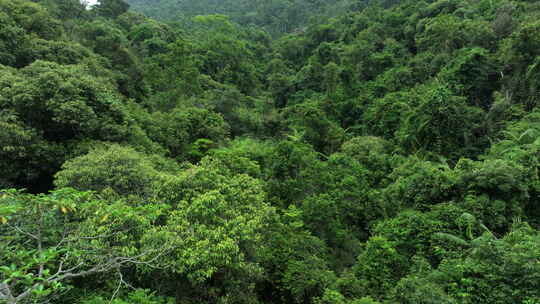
x=268, y=152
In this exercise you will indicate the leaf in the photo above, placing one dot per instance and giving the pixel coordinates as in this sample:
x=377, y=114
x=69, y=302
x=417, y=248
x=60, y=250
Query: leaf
x=452, y=238
x=104, y=218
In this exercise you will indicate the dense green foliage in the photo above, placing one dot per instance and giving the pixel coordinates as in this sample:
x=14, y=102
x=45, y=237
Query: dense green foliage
x=276, y=16
x=310, y=152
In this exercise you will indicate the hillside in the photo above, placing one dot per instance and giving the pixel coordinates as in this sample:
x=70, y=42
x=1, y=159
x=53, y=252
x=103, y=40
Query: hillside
x=232, y=152
x=277, y=17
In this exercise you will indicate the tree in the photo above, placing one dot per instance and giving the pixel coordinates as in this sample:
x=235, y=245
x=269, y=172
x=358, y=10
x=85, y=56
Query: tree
x=379, y=266
x=290, y=169
x=66, y=9
x=60, y=107
x=224, y=53
x=496, y=191
x=492, y=268
x=181, y=129
x=317, y=128
x=472, y=74
x=121, y=169
x=31, y=17
x=418, y=184
x=448, y=33
x=412, y=232
x=48, y=240
x=108, y=40
x=21, y=148
x=442, y=123
x=64, y=102
x=216, y=225
x=22, y=22
x=111, y=8
x=373, y=153
x=340, y=210
x=174, y=73
x=383, y=116
x=138, y=296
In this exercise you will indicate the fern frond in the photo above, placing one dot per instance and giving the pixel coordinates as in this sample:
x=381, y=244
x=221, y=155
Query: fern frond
x=451, y=238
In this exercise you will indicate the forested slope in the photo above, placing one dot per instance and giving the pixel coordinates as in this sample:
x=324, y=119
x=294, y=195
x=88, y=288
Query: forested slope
x=387, y=155
x=276, y=16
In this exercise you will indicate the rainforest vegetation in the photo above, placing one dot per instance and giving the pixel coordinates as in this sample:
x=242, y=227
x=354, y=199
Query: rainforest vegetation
x=270, y=152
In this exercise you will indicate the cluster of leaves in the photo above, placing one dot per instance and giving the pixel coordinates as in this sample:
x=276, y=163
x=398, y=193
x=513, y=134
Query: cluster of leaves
x=387, y=155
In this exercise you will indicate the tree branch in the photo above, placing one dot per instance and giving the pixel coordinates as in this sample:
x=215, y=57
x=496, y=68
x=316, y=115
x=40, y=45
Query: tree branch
x=62, y=275
x=23, y=232
x=5, y=293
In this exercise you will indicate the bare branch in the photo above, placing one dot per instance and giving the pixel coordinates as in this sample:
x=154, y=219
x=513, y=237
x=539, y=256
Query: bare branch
x=22, y=231
x=61, y=275
x=5, y=293
x=78, y=238
x=120, y=282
